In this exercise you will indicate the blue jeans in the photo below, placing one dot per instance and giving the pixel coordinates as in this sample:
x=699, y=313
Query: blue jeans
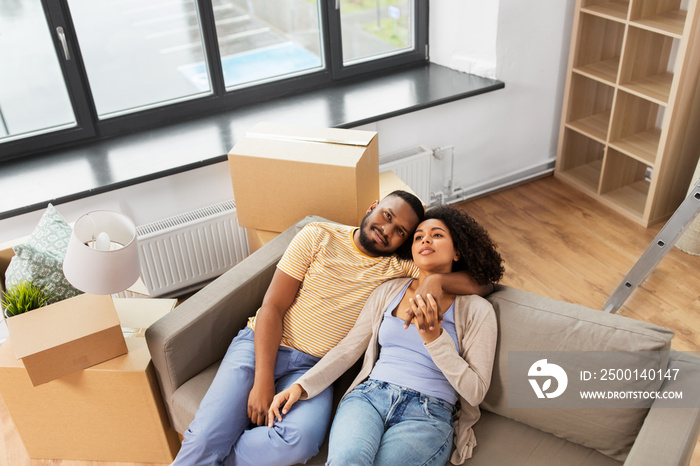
x=221, y=432
x=384, y=424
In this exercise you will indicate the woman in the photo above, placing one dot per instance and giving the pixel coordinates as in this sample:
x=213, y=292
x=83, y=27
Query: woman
x=399, y=409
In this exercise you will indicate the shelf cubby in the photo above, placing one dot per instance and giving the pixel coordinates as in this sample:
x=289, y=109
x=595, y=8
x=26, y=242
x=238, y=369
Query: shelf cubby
x=625, y=182
x=590, y=107
x=665, y=17
x=599, y=48
x=636, y=127
x=584, y=160
x=612, y=9
x=647, y=69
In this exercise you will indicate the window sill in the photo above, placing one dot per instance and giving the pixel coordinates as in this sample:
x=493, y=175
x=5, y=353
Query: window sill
x=29, y=184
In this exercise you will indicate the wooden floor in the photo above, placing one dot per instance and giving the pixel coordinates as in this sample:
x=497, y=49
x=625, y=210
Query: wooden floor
x=559, y=243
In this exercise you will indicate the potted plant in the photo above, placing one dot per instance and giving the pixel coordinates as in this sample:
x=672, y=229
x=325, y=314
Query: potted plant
x=23, y=297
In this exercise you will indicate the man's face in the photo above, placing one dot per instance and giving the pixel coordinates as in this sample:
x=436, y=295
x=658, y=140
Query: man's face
x=386, y=226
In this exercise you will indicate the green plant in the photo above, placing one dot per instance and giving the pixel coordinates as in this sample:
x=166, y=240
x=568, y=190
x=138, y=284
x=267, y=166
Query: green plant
x=24, y=297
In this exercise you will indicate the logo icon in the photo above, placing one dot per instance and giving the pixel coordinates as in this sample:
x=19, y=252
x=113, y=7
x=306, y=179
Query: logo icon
x=541, y=369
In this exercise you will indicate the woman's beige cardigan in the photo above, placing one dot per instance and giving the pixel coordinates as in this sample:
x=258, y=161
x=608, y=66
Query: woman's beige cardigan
x=469, y=373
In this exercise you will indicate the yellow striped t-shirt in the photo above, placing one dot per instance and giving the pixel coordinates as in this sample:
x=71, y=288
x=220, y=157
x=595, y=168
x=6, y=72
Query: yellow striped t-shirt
x=336, y=281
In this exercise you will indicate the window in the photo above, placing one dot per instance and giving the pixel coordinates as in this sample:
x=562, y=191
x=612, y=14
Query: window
x=84, y=69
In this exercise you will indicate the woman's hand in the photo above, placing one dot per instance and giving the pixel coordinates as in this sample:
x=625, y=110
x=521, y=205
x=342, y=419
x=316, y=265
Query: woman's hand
x=287, y=397
x=426, y=317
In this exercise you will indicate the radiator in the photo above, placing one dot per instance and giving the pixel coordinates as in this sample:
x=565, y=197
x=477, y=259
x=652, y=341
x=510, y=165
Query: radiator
x=412, y=166
x=184, y=252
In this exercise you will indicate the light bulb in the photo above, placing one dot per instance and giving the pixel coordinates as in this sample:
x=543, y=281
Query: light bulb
x=102, y=242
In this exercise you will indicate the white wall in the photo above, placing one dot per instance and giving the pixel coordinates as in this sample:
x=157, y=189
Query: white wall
x=510, y=133
x=497, y=137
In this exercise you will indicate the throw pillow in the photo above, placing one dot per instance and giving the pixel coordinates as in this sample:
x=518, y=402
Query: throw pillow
x=532, y=323
x=40, y=259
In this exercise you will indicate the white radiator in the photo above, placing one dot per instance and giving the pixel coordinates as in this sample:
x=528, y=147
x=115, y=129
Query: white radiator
x=183, y=252
x=412, y=166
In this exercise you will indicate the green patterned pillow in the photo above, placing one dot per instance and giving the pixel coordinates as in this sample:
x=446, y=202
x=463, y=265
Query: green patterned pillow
x=40, y=259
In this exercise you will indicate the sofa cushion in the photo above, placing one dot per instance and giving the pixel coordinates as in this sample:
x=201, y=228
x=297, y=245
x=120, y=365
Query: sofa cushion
x=188, y=396
x=503, y=441
x=528, y=322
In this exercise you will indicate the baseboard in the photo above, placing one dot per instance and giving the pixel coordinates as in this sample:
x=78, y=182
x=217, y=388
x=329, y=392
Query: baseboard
x=504, y=182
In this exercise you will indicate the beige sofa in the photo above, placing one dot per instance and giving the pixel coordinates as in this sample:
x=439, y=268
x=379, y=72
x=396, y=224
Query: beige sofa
x=187, y=345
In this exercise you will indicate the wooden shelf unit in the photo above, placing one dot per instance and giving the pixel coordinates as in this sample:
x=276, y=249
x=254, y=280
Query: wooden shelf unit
x=630, y=130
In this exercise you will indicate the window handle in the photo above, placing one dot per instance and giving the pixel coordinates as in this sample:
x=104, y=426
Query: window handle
x=64, y=43
x=337, y=4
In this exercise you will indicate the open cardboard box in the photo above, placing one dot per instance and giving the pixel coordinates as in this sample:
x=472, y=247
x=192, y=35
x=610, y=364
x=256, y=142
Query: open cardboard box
x=66, y=336
x=282, y=173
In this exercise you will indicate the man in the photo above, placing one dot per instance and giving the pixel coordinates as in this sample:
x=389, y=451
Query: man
x=314, y=298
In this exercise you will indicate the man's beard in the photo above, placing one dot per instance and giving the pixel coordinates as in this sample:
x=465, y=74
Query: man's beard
x=367, y=243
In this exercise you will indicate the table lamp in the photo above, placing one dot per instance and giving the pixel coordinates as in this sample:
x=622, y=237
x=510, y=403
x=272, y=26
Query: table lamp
x=102, y=256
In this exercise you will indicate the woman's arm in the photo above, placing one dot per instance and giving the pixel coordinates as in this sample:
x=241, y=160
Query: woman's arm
x=470, y=372
x=335, y=362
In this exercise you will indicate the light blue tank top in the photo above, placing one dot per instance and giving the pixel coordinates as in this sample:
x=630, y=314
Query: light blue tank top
x=403, y=359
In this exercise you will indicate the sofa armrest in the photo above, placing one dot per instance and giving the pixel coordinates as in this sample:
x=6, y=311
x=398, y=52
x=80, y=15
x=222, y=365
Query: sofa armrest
x=669, y=435
x=197, y=333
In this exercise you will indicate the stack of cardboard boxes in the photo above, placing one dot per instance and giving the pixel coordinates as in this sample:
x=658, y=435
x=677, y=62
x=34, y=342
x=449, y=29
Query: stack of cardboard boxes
x=77, y=389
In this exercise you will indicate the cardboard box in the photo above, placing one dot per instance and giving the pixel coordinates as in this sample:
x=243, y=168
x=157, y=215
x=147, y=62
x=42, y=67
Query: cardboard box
x=390, y=182
x=259, y=238
x=112, y=411
x=66, y=336
x=6, y=255
x=282, y=173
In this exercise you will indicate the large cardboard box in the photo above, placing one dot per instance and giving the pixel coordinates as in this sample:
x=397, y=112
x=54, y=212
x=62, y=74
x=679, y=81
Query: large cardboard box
x=112, y=411
x=388, y=182
x=282, y=173
x=66, y=336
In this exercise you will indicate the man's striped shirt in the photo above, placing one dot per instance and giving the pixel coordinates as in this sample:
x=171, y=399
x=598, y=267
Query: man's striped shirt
x=336, y=281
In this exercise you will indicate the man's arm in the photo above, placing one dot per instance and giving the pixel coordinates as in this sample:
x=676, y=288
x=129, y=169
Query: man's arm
x=459, y=283
x=268, y=335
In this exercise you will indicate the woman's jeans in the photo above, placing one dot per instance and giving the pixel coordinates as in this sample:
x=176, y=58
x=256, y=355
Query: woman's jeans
x=384, y=424
x=221, y=432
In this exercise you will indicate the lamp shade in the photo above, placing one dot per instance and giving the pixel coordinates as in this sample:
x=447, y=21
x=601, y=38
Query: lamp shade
x=102, y=255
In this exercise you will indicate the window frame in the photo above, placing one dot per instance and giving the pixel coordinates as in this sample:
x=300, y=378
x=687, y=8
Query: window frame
x=420, y=52
x=89, y=127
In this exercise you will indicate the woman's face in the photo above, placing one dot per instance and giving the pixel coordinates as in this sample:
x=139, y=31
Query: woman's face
x=432, y=247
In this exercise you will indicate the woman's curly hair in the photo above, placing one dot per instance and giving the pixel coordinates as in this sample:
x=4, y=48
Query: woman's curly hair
x=477, y=251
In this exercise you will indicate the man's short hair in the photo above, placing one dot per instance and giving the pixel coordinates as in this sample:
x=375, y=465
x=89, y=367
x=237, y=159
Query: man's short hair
x=412, y=200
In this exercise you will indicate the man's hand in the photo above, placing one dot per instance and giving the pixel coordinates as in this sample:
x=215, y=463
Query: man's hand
x=424, y=307
x=268, y=334
x=287, y=397
x=259, y=401
x=427, y=319
x=424, y=313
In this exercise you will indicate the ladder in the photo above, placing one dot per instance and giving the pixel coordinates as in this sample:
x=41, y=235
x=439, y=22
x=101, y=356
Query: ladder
x=659, y=247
